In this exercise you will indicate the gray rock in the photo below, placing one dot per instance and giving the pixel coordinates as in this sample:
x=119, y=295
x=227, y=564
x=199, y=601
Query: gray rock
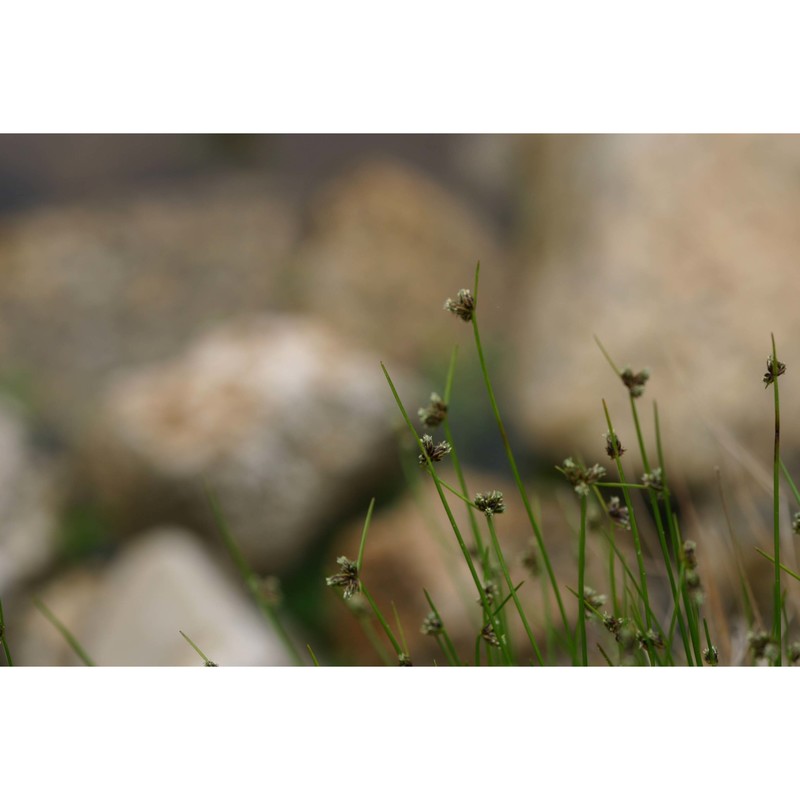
x=85, y=289
x=130, y=612
x=29, y=499
x=679, y=253
x=287, y=422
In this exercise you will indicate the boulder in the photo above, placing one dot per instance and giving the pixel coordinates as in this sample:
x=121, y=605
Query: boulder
x=678, y=253
x=131, y=611
x=285, y=421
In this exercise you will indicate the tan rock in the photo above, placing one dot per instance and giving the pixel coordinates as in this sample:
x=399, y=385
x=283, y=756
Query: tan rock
x=679, y=252
x=286, y=422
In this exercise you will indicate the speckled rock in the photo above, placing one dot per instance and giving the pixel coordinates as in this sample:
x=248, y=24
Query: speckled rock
x=679, y=253
x=130, y=612
x=85, y=289
x=285, y=421
x=386, y=246
x=29, y=499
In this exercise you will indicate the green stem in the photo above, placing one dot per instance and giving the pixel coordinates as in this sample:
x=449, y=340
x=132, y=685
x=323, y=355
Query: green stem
x=513, y=464
x=582, y=584
x=444, y=640
x=776, y=478
x=384, y=624
x=504, y=567
x=251, y=579
x=488, y=614
x=9, y=660
x=62, y=629
x=208, y=662
x=313, y=657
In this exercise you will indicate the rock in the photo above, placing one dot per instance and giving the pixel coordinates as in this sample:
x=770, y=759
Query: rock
x=386, y=247
x=130, y=612
x=29, y=499
x=89, y=288
x=287, y=422
x=677, y=251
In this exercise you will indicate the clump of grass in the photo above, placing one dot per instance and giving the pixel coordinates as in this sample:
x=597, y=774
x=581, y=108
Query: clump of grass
x=665, y=628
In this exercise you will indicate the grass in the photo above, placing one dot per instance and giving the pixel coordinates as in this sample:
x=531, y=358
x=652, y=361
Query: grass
x=654, y=608
x=675, y=626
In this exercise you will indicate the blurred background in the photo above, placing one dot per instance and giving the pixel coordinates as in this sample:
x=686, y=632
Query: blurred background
x=185, y=313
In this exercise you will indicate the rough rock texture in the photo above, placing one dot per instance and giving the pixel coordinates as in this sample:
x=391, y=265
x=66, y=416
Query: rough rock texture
x=130, y=612
x=679, y=252
x=386, y=247
x=29, y=498
x=88, y=288
x=287, y=422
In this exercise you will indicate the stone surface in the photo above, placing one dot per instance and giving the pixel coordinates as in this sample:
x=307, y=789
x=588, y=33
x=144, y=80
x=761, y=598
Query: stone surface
x=130, y=612
x=88, y=288
x=286, y=422
x=29, y=499
x=386, y=246
x=679, y=252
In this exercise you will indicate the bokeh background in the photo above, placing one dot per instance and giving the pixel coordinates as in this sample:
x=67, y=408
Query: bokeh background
x=179, y=313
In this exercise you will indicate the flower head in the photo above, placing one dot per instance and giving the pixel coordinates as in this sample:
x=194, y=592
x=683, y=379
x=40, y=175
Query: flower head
x=711, y=656
x=434, y=413
x=346, y=577
x=464, y=307
x=654, y=480
x=619, y=513
x=774, y=369
x=488, y=634
x=579, y=477
x=490, y=503
x=796, y=522
x=436, y=452
x=404, y=660
x=431, y=625
x=613, y=446
x=635, y=381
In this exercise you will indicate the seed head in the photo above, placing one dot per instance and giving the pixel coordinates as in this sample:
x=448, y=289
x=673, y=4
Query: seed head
x=796, y=522
x=774, y=369
x=650, y=639
x=579, y=477
x=592, y=600
x=487, y=632
x=404, y=660
x=431, y=625
x=694, y=586
x=435, y=413
x=635, y=381
x=794, y=653
x=690, y=554
x=611, y=444
x=654, y=480
x=762, y=646
x=619, y=513
x=490, y=503
x=491, y=591
x=347, y=577
x=436, y=452
x=464, y=307
x=711, y=656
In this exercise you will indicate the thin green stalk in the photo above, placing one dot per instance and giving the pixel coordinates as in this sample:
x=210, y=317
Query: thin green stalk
x=776, y=480
x=513, y=464
x=206, y=660
x=473, y=522
x=489, y=615
x=582, y=585
x=788, y=477
x=504, y=567
x=9, y=660
x=782, y=566
x=677, y=546
x=364, y=530
x=250, y=579
x=62, y=629
x=381, y=619
x=444, y=640
x=634, y=527
x=313, y=657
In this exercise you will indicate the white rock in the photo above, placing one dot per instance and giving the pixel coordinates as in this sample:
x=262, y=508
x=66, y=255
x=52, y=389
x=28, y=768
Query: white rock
x=130, y=613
